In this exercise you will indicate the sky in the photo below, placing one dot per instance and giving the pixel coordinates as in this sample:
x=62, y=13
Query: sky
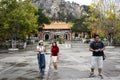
x=81, y=2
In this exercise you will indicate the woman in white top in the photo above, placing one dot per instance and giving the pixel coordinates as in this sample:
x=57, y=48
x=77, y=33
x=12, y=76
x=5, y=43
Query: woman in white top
x=41, y=56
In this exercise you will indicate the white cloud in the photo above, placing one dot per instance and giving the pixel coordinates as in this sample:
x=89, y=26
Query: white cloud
x=81, y=2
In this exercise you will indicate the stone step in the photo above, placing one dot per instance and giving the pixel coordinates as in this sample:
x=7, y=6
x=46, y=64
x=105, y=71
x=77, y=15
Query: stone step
x=64, y=46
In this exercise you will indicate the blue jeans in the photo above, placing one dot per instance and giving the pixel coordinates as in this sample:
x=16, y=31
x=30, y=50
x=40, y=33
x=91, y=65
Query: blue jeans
x=41, y=62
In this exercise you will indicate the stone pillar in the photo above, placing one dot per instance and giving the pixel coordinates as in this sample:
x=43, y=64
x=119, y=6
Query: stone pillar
x=71, y=36
x=40, y=36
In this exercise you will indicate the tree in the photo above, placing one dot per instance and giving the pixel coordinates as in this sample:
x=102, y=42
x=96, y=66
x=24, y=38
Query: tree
x=79, y=25
x=110, y=22
x=18, y=18
x=96, y=20
x=86, y=8
x=42, y=19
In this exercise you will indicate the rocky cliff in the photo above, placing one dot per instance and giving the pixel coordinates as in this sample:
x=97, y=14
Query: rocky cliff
x=59, y=9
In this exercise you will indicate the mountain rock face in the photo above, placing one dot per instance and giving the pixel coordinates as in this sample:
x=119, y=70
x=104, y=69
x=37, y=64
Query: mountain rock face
x=59, y=9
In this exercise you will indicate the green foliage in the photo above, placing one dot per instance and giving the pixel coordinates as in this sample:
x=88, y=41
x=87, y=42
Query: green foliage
x=116, y=40
x=94, y=21
x=60, y=40
x=79, y=25
x=86, y=8
x=82, y=24
x=87, y=40
x=18, y=18
x=42, y=19
x=109, y=17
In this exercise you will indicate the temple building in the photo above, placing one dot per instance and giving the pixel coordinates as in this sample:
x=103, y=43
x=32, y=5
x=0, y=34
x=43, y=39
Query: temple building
x=58, y=30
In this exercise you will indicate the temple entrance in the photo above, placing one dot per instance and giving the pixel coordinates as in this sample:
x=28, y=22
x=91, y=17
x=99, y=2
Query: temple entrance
x=58, y=36
x=76, y=35
x=46, y=37
x=66, y=36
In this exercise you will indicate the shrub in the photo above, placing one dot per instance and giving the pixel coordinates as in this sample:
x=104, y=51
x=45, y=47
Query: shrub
x=60, y=40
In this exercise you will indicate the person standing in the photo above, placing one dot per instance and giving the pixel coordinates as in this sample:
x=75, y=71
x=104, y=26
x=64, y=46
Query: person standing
x=97, y=47
x=41, y=56
x=55, y=55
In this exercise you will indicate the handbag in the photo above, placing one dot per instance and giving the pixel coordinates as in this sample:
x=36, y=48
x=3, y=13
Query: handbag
x=104, y=56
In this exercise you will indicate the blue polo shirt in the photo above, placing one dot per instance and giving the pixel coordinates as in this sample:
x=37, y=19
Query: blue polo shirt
x=97, y=45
